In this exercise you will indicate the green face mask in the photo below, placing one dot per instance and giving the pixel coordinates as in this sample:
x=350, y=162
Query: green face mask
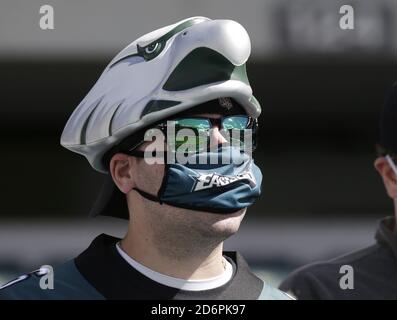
x=230, y=183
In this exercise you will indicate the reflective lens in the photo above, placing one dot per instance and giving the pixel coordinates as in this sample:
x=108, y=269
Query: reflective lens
x=235, y=122
x=193, y=134
x=199, y=124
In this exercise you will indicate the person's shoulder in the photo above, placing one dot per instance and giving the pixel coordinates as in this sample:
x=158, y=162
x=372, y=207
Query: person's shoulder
x=321, y=280
x=61, y=282
x=271, y=293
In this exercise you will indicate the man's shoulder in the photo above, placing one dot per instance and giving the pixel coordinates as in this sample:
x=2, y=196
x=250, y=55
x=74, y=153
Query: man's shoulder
x=61, y=282
x=321, y=280
x=271, y=293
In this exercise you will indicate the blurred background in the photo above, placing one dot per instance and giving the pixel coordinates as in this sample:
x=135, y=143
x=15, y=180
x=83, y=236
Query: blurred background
x=321, y=90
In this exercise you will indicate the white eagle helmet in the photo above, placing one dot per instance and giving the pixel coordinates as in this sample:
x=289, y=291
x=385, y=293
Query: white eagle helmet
x=160, y=74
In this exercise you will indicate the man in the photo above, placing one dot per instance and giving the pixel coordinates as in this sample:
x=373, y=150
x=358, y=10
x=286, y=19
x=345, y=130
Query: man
x=373, y=269
x=191, y=73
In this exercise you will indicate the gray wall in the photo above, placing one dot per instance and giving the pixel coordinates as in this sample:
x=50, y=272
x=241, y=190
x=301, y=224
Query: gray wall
x=89, y=28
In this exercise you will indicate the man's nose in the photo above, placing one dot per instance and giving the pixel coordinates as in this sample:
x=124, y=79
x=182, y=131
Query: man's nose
x=216, y=137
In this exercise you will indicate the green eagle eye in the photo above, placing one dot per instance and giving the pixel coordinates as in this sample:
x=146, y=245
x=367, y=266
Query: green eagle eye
x=151, y=51
x=152, y=48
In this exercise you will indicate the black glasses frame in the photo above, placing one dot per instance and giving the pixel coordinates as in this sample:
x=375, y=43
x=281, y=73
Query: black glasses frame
x=218, y=122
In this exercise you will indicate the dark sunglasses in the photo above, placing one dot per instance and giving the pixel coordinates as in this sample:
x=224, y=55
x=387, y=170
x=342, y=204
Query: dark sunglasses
x=193, y=133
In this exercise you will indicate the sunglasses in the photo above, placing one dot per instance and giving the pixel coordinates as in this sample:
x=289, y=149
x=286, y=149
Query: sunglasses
x=194, y=133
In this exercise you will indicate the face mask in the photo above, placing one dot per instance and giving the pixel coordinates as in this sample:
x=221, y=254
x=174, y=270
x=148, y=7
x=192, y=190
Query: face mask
x=228, y=184
x=391, y=164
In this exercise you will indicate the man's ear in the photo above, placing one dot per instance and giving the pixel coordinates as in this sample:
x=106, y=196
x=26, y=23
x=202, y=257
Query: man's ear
x=120, y=169
x=388, y=176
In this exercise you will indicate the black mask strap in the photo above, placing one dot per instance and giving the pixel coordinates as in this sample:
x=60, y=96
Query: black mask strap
x=148, y=195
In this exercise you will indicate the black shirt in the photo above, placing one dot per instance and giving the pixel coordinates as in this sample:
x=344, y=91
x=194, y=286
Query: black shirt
x=101, y=273
x=374, y=272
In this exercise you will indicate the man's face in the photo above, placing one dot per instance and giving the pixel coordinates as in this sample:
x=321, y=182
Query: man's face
x=389, y=175
x=148, y=177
